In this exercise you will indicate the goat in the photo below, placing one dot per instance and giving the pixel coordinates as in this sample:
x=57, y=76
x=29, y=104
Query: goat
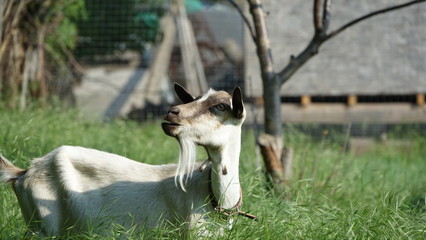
x=74, y=187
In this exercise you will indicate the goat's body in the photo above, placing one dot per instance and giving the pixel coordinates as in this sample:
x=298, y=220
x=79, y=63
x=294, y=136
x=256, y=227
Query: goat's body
x=80, y=188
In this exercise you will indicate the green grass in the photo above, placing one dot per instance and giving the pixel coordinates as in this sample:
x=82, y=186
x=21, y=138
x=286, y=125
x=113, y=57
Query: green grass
x=333, y=194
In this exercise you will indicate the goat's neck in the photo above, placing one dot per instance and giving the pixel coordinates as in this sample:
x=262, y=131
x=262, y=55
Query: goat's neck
x=225, y=176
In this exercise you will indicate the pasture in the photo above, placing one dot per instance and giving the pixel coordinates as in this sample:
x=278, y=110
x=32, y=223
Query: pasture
x=332, y=195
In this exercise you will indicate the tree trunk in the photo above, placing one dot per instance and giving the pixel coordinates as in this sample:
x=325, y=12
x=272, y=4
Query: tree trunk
x=271, y=142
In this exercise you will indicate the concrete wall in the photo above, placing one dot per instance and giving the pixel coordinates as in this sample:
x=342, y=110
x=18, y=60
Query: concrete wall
x=383, y=55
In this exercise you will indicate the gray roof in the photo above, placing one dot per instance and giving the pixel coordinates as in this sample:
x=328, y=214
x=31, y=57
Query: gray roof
x=383, y=55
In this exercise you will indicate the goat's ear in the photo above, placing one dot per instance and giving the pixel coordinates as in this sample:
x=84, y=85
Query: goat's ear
x=237, y=103
x=182, y=94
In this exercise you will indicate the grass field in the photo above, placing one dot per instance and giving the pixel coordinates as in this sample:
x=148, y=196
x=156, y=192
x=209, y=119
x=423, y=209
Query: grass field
x=333, y=195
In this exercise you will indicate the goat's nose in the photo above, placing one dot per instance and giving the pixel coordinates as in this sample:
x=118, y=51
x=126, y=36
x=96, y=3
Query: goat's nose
x=174, y=111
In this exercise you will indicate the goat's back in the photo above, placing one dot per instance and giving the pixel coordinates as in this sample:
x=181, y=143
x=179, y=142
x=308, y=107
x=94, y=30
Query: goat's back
x=75, y=186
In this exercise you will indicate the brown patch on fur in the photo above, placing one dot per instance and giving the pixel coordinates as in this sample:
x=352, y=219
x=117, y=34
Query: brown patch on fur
x=203, y=165
x=191, y=112
x=217, y=98
x=224, y=170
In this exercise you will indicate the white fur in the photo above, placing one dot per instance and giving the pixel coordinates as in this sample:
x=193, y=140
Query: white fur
x=79, y=188
x=187, y=156
x=88, y=186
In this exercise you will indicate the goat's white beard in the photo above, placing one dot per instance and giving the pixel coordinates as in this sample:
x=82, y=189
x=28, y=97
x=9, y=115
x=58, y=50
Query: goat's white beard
x=187, y=156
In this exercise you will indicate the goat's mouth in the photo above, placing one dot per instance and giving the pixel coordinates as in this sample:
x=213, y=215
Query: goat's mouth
x=169, y=128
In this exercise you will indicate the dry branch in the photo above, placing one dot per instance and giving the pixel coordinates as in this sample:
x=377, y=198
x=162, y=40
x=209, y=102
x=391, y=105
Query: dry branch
x=372, y=14
x=321, y=24
x=246, y=20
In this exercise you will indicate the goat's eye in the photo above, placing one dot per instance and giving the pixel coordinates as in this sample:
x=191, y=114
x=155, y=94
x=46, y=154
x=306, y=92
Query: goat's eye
x=221, y=107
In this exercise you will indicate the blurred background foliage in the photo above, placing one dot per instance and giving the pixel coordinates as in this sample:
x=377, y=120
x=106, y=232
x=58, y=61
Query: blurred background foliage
x=112, y=27
x=43, y=42
x=36, y=60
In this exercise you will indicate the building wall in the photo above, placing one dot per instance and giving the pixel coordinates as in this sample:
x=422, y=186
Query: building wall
x=383, y=55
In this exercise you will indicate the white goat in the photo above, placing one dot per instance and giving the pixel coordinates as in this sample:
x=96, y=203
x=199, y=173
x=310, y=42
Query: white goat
x=79, y=187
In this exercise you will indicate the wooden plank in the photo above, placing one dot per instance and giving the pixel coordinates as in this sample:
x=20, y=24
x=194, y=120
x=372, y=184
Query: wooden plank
x=341, y=114
x=305, y=100
x=259, y=101
x=420, y=99
x=352, y=100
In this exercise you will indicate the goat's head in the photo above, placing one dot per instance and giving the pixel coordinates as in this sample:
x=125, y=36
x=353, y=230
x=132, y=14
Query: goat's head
x=208, y=120
x=212, y=120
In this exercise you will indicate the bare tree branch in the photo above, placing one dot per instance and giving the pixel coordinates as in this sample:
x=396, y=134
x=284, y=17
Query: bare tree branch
x=317, y=16
x=247, y=22
x=297, y=61
x=318, y=39
x=326, y=15
x=262, y=40
x=372, y=14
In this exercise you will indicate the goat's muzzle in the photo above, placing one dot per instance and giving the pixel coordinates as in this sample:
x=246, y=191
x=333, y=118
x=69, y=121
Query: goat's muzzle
x=171, y=125
x=169, y=128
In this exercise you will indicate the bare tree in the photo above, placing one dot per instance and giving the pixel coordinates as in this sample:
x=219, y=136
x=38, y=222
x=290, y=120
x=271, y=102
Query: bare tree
x=271, y=142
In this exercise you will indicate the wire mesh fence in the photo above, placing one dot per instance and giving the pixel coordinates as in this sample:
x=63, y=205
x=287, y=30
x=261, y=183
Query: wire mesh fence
x=133, y=53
